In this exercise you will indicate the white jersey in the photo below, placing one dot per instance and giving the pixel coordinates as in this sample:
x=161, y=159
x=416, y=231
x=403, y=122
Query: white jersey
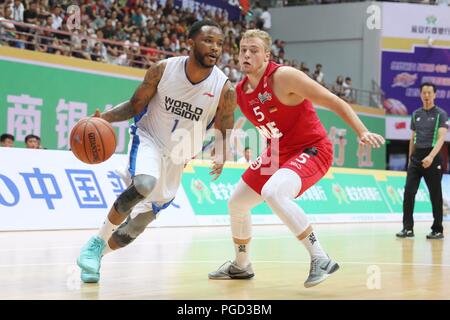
x=179, y=114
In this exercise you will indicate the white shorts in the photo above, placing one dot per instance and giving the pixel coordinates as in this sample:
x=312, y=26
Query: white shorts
x=145, y=157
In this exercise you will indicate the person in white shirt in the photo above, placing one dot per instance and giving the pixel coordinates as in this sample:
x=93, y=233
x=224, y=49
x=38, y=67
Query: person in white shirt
x=347, y=88
x=267, y=19
x=319, y=73
x=17, y=10
x=153, y=5
x=57, y=20
x=179, y=99
x=247, y=158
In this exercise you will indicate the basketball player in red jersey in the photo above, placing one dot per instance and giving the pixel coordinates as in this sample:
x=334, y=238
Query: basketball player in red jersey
x=278, y=101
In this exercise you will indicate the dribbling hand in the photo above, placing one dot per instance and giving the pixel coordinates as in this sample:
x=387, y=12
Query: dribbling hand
x=216, y=169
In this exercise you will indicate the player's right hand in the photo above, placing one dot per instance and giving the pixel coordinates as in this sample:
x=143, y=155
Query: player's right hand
x=373, y=139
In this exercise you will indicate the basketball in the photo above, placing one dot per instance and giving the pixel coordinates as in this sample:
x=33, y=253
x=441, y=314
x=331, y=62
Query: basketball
x=92, y=140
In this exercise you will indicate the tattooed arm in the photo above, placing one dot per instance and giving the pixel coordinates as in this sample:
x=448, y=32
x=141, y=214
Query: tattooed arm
x=142, y=96
x=223, y=124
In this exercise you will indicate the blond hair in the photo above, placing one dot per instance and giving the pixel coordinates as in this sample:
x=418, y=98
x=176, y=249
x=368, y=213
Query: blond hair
x=256, y=33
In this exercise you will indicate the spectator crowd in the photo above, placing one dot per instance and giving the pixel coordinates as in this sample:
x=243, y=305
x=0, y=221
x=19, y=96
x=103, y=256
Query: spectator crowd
x=135, y=33
x=123, y=32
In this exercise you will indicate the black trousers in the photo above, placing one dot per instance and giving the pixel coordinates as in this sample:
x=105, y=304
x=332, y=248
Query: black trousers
x=433, y=178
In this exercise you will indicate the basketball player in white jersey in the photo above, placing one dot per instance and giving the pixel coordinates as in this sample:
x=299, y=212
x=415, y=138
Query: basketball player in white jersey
x=179, y=99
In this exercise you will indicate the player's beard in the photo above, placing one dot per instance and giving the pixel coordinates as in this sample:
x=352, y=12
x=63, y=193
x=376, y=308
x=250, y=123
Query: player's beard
x=201, y=60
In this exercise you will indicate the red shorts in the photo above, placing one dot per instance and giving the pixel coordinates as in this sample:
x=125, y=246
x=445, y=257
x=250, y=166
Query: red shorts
x=311, y=164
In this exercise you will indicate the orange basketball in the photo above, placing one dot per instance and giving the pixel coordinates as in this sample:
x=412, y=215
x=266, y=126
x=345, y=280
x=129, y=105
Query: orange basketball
x=92, y=140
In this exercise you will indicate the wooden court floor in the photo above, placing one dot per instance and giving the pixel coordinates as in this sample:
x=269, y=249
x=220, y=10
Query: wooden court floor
x=173, y=263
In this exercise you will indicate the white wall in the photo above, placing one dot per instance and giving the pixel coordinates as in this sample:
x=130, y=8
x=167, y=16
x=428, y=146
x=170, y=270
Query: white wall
x=335, y=35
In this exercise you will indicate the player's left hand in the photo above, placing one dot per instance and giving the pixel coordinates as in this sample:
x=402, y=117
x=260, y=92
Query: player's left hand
x=427, y=161
x=216, y=169
x=372, y=139
x=97, y=113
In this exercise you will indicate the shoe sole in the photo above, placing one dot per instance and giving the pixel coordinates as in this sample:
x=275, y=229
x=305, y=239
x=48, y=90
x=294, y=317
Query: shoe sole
x=232, y=277
x=88, y=279
x=435, y=238
x=333, y=269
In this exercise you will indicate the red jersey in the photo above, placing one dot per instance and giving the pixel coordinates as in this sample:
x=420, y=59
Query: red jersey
x=296, y=127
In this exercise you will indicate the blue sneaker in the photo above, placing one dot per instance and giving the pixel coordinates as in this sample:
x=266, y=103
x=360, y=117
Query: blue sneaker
x=87, y=277
x=91, y=255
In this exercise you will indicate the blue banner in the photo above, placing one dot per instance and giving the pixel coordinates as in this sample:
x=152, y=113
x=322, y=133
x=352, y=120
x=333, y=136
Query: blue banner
x=403, y=72
x=230, y=6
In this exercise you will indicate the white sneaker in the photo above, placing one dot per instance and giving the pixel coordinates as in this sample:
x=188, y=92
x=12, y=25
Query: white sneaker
x=321, y=268
x=230, y=270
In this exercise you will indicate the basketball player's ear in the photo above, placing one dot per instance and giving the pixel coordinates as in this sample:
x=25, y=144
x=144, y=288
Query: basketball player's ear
x=190, y=44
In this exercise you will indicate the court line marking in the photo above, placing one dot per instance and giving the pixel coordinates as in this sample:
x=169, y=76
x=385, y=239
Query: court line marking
x=158, y=242
x=221, y=262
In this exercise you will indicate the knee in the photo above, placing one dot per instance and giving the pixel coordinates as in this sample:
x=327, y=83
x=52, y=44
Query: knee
x=233, y=203
x=128, y=199
x=269, y=194
x=144, y=184
x=237, y=203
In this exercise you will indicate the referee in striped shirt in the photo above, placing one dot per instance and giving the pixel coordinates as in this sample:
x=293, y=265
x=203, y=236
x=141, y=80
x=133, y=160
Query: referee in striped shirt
x=429, y=125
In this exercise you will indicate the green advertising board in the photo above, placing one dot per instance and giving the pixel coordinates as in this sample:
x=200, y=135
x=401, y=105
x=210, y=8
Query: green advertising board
x=347, y=151
x=47, y=99
x=341, y=191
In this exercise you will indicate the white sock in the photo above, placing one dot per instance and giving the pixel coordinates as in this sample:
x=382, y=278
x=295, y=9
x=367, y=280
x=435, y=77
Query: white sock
x=312, y=244
x=242, y=254
x=106, y=230
x=107, y=249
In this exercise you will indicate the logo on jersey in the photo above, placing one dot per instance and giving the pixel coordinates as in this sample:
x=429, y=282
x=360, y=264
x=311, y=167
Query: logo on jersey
x=183, y=109
x=255, y=165
x=273, y=109
x=295, y=164
x=253, y=101
x=209, y=94
x=270, y=130
x=263, y=97
x=301, y=159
